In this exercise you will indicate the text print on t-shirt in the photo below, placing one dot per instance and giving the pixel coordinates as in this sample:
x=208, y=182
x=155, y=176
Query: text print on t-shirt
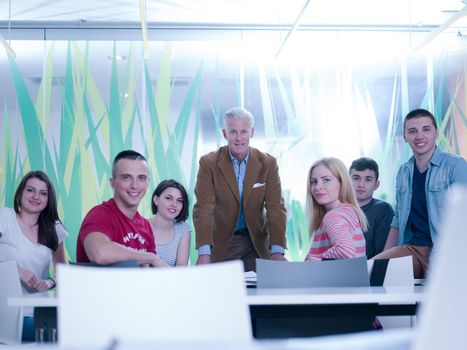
x=135, y=236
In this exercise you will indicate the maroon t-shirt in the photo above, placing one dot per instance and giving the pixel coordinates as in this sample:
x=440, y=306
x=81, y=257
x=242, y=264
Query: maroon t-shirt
x=106, y=218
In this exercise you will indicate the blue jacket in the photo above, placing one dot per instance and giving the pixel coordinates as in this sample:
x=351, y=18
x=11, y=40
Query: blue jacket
x=444, y=170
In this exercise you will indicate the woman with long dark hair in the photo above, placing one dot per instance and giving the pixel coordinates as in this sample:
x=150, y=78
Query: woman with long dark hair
x=32, y=234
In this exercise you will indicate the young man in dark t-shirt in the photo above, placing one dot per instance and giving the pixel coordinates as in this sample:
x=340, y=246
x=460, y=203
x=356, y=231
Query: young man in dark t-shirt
x=364, y=173
x=114, y=231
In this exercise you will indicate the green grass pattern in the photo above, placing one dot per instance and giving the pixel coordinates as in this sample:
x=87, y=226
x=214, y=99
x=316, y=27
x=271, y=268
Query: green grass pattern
x=94, y=127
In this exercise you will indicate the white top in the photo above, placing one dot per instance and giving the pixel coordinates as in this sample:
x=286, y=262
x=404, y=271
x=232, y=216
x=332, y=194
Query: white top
x=15, y=246
x=168, y=251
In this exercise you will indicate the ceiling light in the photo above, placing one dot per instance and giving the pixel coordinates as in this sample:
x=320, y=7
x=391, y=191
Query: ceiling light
x=3, y=42
x=438, y=31
x=293, y=28
x=144, y=27
x=117, y=57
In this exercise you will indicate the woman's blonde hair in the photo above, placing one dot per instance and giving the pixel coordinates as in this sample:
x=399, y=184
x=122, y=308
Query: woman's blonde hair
x=316, y=211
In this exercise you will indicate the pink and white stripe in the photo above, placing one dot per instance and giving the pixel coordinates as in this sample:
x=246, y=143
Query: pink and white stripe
x=339, y=236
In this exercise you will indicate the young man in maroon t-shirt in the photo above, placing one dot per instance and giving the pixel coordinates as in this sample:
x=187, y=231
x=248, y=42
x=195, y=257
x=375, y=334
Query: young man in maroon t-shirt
x=114, y=230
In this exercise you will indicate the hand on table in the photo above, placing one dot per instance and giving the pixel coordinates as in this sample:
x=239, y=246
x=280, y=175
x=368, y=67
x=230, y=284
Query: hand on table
x=31, y=281
x=156, y=261
x=278, y=257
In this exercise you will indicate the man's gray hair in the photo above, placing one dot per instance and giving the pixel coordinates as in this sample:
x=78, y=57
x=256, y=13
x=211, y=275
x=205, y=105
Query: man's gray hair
x=238, y=113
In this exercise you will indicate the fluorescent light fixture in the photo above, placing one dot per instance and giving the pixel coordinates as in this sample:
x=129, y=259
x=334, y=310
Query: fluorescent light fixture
x=117, y=57
x=435, y=33
x=293, y=28
x=144, y=26
x=7, y=47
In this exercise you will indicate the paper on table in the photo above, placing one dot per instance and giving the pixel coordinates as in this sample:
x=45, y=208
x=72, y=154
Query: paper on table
x=250, y=278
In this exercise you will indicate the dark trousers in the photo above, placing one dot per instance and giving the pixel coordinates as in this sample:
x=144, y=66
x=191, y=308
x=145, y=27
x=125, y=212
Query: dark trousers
x=241, y=247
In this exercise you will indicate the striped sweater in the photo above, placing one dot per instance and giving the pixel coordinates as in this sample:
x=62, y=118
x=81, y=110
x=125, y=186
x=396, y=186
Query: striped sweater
x=339, y=236
x=168, y=251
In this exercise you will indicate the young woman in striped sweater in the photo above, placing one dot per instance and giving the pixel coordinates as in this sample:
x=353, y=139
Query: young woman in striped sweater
x=336, y=219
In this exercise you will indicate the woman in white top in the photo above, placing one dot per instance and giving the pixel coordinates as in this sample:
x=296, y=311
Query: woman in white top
x=169, y=204
x=31, y=234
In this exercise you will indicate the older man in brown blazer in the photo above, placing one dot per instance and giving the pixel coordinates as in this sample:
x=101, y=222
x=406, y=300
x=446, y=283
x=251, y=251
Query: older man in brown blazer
x=239, y=211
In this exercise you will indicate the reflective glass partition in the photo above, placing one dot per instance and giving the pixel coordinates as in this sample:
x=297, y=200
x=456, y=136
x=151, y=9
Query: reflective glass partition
x=67, y=107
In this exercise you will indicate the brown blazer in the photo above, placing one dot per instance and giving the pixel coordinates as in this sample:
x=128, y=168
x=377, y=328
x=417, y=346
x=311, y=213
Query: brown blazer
x=217, y=205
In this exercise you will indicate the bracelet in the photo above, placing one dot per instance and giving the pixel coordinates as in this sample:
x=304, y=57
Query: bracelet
x=54, y=284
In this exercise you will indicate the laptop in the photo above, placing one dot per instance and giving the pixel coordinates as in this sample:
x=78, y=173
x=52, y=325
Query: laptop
x=310, y=274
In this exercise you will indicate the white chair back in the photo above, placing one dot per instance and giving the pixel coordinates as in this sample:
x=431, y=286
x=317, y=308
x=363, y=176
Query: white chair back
x=399, y=272
x=442, y=316
x=197, y=303
x=310, y=274
x=11, y=317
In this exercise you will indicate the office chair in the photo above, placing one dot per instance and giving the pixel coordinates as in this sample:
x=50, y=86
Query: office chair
x=149, y=304
x=11, y=317
x=396, y=272
x=442, y=316
x=389, y=273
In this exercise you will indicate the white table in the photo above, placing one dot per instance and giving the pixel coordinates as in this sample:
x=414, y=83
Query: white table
x=299, y=312
x=48, y=299
x=389, y=340
x=335, y=295
x=285, y=296
x=303, y=312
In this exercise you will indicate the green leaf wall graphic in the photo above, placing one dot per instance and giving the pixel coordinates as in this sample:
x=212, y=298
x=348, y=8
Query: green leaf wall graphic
x=134, y=108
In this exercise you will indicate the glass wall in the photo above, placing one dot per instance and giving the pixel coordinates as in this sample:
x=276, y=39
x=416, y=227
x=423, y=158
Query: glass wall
x=69, y=106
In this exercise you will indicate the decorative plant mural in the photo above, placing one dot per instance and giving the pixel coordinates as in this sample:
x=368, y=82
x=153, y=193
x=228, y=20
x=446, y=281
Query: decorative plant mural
x=74, y=124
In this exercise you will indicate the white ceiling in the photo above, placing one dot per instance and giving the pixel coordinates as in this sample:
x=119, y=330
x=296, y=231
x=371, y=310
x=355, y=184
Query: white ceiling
x=246, y=12
x=37, y=20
